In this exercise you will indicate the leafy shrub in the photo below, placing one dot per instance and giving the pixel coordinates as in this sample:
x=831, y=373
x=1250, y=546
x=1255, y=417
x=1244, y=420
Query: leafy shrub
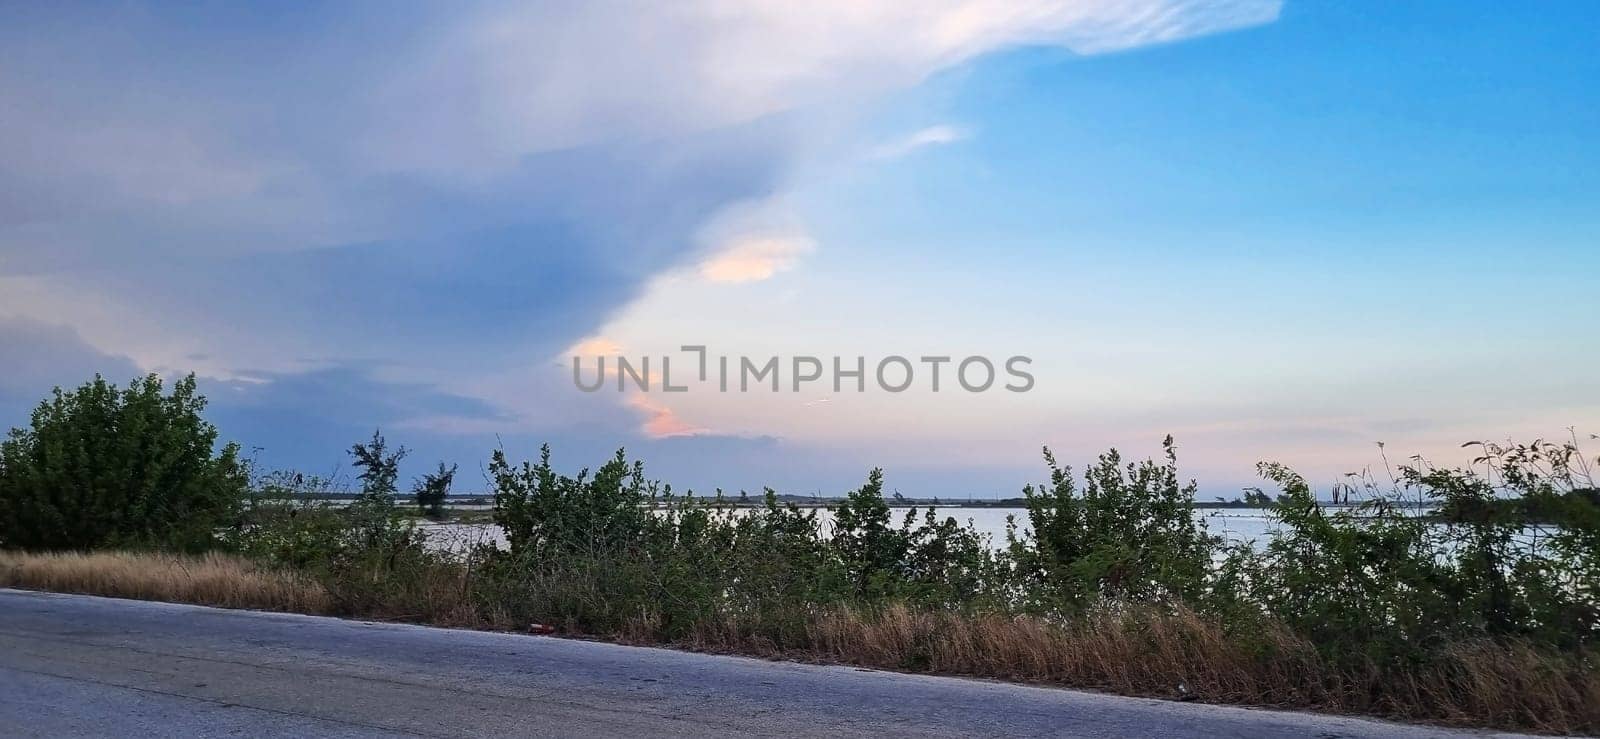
x=101, y=467
x=1130, y=534
x=614, y=551
x=547, y=514
x=1390, y=583
x=873, y=550
x=285, y=526
x=1522, y=539
x=924, y=559
x=362, y=551
x=1363, y=582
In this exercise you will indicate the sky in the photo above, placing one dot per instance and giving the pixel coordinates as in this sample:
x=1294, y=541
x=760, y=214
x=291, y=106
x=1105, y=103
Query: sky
x=1275, y=230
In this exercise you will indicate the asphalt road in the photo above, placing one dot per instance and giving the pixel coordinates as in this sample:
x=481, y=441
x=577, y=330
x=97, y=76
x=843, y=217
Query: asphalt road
x=84, y=666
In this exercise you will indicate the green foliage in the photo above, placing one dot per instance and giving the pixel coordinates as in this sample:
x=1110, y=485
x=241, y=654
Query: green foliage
x=1379, y=584
x=1130, y=534
x=1362, y=581
x=359, y=544
x=923, y=559
x=102, y=467
x=1524, y=575
x=873, y=550
x=432, y=489
x=610, y=548
x=950, y=565
x=545, y=514
x=380, y=468
x=366, y=554
x=1387, y=583
x=285, y=526
x=373, y=515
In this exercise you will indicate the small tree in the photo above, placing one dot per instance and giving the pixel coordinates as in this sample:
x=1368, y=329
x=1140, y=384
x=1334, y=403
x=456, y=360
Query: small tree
x=102, y=467
x=373, y=512
x=432, y=489
x=380, y=468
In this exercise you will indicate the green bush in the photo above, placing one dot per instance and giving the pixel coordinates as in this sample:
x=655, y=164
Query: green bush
x=367, y=554
x=924, y=559
x=1129, y=534
x=285, y=526
x=873, y=550
x=1363, y=583
x=101, y=467
x=546, y=514
x=1508, y=555
x=611, y=551
x=1441, y=557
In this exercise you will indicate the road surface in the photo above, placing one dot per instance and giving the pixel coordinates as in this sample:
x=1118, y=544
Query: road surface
x=75, y=665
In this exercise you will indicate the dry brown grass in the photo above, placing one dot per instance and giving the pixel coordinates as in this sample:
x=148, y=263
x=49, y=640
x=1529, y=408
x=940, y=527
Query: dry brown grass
x=210, y=579
x=1134, y=652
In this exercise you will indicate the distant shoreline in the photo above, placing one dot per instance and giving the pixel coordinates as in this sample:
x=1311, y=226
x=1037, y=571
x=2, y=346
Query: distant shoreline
x=483, y=501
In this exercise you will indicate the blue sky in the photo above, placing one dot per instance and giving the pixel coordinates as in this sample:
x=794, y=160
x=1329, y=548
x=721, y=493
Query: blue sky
x=1275, y=231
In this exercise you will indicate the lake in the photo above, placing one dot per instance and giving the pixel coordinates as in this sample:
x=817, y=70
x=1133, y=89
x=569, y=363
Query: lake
x=1233, y=525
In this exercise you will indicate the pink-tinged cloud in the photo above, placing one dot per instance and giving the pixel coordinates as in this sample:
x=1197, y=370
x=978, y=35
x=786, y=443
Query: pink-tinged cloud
x=757, y=258
x=662, y=422
x=595, y=346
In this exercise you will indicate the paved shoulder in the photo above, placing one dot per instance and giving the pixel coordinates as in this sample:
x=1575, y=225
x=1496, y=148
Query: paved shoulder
x=86, y=666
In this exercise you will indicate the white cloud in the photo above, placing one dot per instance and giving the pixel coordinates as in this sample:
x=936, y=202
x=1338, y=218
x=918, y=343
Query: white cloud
x=939, y=135
x=262, y=151
x=521, y=79
x=755, y=258
x=135, y=152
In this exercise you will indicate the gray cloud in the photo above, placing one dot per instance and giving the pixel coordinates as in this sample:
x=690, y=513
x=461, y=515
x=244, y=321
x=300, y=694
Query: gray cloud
x=423, y=191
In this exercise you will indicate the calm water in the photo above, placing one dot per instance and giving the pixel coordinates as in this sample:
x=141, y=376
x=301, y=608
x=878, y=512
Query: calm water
x=1232, y=525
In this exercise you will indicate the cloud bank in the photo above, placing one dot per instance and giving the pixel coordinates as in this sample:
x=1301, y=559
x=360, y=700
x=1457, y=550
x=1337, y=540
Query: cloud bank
x=370, y=201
